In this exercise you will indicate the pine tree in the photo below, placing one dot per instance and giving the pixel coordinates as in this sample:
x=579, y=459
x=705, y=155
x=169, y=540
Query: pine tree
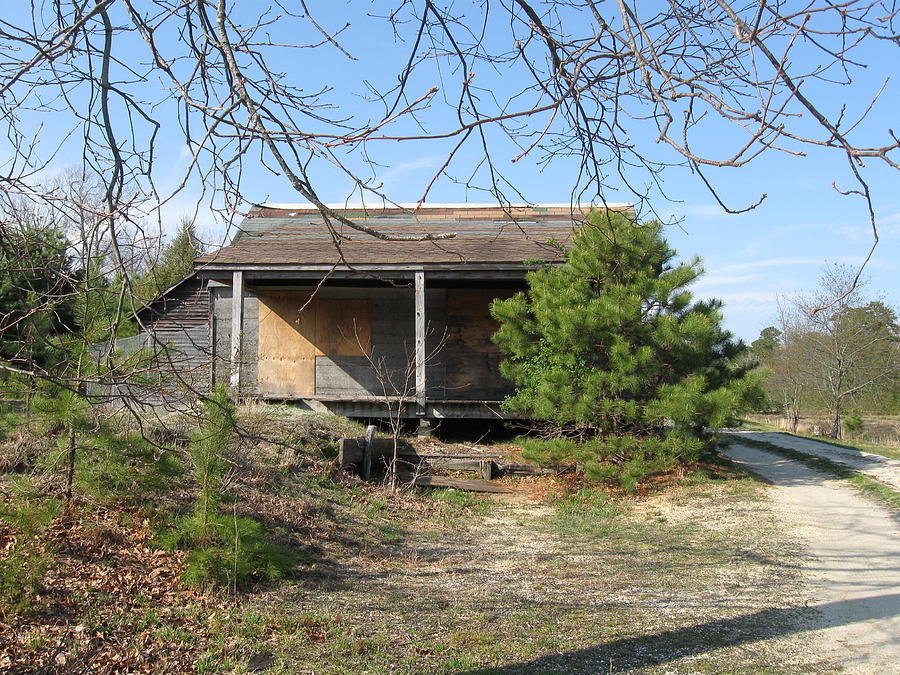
x=176, y=261
x=37, y=293
x=611, y=351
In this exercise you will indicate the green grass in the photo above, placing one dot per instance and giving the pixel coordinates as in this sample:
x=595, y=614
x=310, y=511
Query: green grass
x=868, y=486
x=590, y=510
x=849, y=444
x=457, y=506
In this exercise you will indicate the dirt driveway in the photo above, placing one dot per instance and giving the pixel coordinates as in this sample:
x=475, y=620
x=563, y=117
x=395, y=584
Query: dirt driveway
x=700, y=579
x=853, y=578
x=880, y=468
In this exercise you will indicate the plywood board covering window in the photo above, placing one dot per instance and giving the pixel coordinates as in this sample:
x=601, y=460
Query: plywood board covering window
x=287, y=351
x=471, y=358
x=344, y=327
x=290, y=340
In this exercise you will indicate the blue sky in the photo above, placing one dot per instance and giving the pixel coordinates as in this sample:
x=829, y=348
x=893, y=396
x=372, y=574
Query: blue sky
x=750, y=259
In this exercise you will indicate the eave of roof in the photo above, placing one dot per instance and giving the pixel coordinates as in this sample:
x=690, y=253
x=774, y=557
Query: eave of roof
x=294, y=236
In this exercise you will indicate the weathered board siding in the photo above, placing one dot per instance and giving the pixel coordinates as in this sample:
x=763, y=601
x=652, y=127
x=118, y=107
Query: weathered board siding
x=187, y=304
x=390, y=367
x=472, y=360
x=180, y=321
x=221, y=330
x=176, y=328
x=380, y=320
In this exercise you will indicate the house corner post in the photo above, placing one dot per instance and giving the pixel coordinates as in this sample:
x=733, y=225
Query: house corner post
x=420, y=343
x=237, y=329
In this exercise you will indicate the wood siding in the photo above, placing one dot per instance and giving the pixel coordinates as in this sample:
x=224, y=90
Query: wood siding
x=472, y=359
x=185, y=305
x=180, y=320
x=221, y=330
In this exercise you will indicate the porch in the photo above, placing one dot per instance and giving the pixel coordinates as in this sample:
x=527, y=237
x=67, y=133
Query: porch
x=407, y=343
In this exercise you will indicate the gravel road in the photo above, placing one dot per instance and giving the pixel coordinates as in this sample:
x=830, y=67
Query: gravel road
x=880, y=468
x=854, y=573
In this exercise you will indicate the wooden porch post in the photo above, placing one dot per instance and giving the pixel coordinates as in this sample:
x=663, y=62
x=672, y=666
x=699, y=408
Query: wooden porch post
x=420, y=343
x=237, y=328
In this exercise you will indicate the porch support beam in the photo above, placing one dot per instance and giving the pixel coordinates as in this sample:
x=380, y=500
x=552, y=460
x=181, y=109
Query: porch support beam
x=420, y=343
x=237, y=328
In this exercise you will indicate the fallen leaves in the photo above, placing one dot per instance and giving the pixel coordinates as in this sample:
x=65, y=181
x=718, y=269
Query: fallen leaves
x=108, y=598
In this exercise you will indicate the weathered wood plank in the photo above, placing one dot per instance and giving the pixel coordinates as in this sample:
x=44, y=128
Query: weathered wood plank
x=368, y=451
x=521, y=469
x=413, y=452
x=237, y=326
x=350, y=450
x=420, y=342
x=447, y=464
x=471, y=357
x=458, y=483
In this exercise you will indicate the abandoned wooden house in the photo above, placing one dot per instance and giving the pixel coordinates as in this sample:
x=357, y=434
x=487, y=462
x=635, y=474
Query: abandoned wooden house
x=348, y=323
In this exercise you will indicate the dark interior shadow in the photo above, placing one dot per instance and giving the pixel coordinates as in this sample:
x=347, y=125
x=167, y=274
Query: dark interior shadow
x=648, y=651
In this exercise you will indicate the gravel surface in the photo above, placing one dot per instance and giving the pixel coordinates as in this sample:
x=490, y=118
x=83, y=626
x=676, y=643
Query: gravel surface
x=853, y=578
x=880, y=468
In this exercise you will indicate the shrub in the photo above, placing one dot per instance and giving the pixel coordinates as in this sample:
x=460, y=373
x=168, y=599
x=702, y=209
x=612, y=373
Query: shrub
x=125, y=466
x=853, y=423
x=610, y=351
x=22, y=571
x=225, y=550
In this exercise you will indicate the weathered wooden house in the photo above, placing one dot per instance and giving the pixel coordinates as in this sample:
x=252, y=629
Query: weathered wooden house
x=345, y=322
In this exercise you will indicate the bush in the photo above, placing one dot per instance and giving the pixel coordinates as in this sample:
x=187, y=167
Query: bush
x=227, y=551
x=853, y=424
x=610, y=350
x=22, y=571
x=622, y=460
x=125, y=466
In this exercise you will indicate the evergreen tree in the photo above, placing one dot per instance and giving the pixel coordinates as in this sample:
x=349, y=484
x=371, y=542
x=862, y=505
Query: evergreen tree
x=176, y=261
x=37, y=293
x=768, y=341
x=610, y=349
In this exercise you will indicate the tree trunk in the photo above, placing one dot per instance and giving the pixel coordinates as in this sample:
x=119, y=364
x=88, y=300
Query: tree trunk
x=836, y=431
x=70, y=464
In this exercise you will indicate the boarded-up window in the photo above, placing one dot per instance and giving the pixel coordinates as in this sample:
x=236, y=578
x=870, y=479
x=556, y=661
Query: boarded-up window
x=344, y=327
x=289, y=340
x=471, y=358
x=287, y=351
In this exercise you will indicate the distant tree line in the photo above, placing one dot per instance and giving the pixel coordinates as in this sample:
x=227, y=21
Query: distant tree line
x=836, y=350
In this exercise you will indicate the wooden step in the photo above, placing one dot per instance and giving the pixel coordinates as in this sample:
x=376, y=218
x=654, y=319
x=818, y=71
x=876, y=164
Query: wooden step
x=472, y=485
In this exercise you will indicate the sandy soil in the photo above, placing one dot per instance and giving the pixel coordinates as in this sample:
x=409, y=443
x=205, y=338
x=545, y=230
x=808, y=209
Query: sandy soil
x=880, y=468
x=853, y=578
x=700, y=579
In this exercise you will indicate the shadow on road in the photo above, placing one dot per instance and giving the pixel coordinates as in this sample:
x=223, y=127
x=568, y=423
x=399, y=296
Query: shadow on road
x=660, y=648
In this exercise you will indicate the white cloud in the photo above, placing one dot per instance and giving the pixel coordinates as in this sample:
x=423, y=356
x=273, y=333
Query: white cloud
x=714, y=280
x=709, y=210
x=765, y=263
x=397, y=171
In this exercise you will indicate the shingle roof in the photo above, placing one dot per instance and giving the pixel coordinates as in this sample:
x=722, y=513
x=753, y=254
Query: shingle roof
x=295, y=235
